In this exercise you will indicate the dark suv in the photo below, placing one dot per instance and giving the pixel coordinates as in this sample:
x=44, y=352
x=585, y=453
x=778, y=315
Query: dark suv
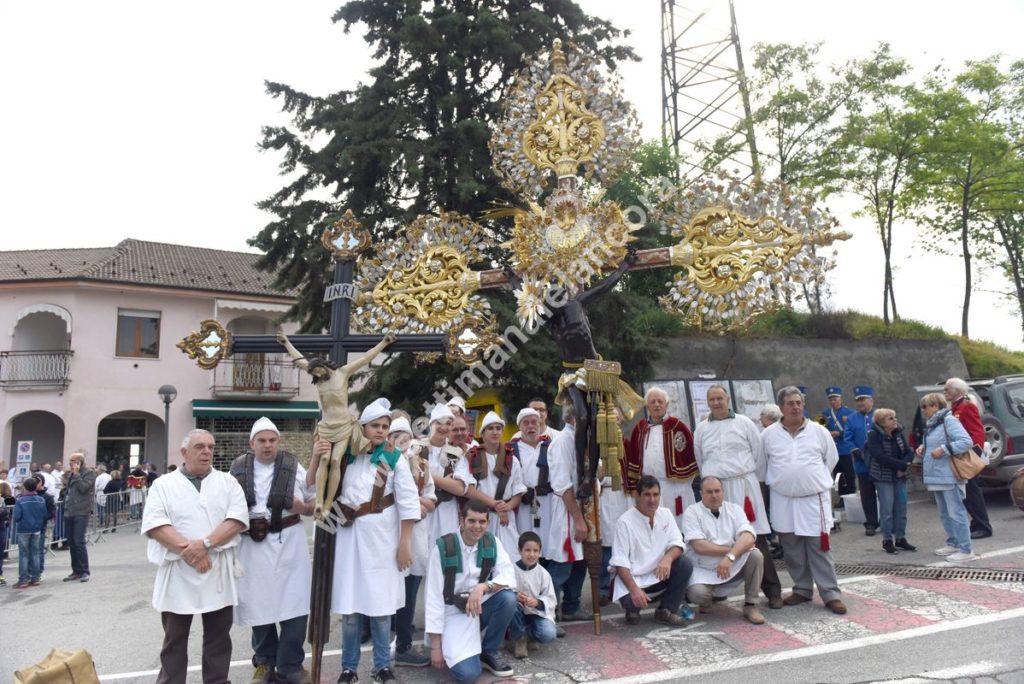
x=1003, y=399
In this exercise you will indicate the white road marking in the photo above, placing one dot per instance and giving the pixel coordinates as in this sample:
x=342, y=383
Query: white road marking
x=820, y=649
x=196, y=668
x=980, y=668
x=990, y=554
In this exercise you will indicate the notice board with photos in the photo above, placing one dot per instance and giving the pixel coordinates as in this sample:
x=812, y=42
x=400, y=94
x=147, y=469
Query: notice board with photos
x=688, y=396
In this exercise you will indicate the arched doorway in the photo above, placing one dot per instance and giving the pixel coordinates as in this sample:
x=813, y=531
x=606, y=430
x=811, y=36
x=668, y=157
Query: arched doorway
x=44, y=430
x=129, y=438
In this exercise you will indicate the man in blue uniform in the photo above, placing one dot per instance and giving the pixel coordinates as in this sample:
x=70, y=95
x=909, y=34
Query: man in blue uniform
x=858, y=426
x=836, y=416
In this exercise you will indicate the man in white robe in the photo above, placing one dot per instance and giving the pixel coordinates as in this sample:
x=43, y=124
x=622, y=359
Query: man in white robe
x=444, y=458
x=478, y=468
x=647, y=555
x=273, y=593
x=469, y=640
x=532, y=450
x=564, y=544
x=720, y=544
x=193, y=518
x=728, y=446
x=799, y=457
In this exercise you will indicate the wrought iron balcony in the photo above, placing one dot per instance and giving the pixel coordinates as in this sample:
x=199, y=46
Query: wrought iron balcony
x=35, y=370
x=256, y=376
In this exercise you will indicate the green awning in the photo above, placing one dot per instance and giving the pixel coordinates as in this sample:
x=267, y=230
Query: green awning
x=207, y=408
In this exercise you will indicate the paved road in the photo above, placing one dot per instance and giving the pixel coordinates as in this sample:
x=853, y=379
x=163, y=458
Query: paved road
x=897, y=628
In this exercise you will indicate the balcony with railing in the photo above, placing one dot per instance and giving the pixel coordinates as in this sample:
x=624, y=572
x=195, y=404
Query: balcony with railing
x=256, y=376
x=45, y=369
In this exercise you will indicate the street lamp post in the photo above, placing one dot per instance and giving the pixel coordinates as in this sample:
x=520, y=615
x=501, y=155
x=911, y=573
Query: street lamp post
x=168, y=393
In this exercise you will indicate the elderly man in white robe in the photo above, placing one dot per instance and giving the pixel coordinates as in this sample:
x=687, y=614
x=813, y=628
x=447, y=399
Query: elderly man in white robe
x=501, y=491
x=532, y=449
x=273, y=592
x=564, y=544
x=799, y=457
x=720, y=544
x=193, y=518
x=378, y=506
x=469, y=639
x=728, y=446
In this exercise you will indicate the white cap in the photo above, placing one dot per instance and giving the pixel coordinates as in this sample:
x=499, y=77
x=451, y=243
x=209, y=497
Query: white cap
x=400, y=424
x=377, y=409
x=262, y=424
x=527, y=412
x=490, y=419
x=441, y=412
x=458, y=401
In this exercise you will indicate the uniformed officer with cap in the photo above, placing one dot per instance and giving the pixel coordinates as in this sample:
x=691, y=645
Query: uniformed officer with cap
x=835, y=418
x=858, y=426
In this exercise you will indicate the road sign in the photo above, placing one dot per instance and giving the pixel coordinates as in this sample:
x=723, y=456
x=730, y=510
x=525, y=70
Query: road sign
x=25, y=452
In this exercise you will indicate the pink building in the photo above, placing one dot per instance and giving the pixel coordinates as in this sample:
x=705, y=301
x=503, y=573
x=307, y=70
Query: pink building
x=92, y=336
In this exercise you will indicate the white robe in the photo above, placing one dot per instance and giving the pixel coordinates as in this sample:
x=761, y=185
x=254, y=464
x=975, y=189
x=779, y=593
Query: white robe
x=562, y=470
x=508, y=535
x=640, y=547
x=731, y=450
x=460, y=634
x=701, y=523
x=529, y=456
x=445, y=518
x=278, y=572
x=421, y=538
x=613, y=505
x=673, y=492
x=101, y=481
x=366, y=575
x=798, y=469
x=173, y=500
x=536, y=583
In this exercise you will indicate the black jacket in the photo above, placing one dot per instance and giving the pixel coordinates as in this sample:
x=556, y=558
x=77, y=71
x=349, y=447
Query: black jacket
x=887, y=454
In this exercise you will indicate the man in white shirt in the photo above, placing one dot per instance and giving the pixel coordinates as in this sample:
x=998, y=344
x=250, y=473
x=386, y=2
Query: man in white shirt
x=102, y=478
x=193, y=518
x=728, y=446
x=799, y=458
x=275, y=555
x=467, y=627
x=648, y=558
x=720, y=544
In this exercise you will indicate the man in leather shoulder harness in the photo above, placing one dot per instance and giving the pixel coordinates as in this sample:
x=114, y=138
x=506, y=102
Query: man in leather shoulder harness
x=274, y=549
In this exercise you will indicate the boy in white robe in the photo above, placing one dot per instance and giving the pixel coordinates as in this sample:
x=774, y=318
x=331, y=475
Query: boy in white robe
x=535, y=610
x=374, y=547
x=720, y=544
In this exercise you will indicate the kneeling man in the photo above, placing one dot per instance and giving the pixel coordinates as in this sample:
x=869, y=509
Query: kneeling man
x=720, y=544
x=469, y=580
x=648, y=559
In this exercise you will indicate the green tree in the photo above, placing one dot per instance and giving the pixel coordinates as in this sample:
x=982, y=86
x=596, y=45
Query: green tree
x=412, y=140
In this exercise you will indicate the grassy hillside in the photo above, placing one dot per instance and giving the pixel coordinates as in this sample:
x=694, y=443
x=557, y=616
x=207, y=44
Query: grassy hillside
x=984, y=359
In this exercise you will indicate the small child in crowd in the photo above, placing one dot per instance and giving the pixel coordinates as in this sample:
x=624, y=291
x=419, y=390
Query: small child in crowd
x=535, y=614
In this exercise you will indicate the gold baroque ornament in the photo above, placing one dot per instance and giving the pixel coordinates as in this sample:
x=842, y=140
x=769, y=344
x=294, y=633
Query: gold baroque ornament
x=208, y=346
x=345, y=238
x=422, y=281
x=469, y=340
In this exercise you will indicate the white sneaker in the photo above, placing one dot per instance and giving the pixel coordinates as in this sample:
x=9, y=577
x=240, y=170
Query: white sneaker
x=946, y=550
x=959, y=557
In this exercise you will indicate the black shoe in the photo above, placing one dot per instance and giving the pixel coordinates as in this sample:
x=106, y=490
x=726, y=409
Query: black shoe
x=980, y=534
x=905, y=545
x=384, y=674
x=347, y=677
x=869, y=530
x=580, y=615
x=889, y=546
x=495, y=664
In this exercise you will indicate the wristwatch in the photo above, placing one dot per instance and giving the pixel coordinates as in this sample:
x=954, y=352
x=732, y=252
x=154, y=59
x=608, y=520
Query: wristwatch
x=731, y=557
x=490, y=587
x=207, y=543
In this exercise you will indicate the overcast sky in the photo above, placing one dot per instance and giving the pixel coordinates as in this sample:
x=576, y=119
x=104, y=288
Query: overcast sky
x=139, y=119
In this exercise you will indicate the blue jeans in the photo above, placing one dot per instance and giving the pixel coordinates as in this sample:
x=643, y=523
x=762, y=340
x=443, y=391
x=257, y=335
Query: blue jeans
x=537, y=627
x=606, y=576
x=283, y=652
x=892, y=509
x=954, y=518
x=403, y=618
x=29, y=544
x=351, y=634
x=567, y=579
x=495, y=618
x=74, y=527
x=42, y=548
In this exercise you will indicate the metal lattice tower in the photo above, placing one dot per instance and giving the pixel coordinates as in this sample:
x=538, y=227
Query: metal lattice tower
x=703, y=87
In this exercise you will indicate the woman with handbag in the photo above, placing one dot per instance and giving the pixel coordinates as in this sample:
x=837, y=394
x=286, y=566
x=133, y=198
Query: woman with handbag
x=944, y=436
x=889, y=456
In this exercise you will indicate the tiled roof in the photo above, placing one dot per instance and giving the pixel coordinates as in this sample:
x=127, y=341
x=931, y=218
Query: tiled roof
x=144, y=263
